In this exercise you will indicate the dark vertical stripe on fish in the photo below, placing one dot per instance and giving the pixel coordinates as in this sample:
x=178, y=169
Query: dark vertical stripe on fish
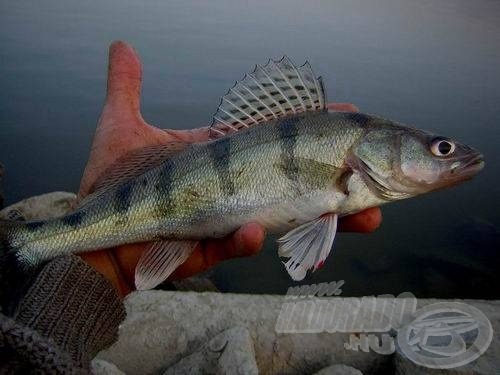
x=288, y=132
x=164, y=187
x=123, y=197
x=34, y=225
x=357, y=117
x=74, y=220
x=220, y=152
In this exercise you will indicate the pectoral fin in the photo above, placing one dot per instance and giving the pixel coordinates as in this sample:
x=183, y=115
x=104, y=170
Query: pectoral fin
x=160, y=260
x=308, y=246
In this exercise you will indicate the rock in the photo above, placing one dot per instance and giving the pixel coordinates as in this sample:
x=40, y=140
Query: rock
x=195, y=284
x=163, y=327
x=41, y=206
x=230, y=352
x=100, y=367
x=482, y=366
x=339, y=370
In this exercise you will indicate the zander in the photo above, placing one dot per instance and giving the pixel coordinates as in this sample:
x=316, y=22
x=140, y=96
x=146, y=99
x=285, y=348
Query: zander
x=276, y=156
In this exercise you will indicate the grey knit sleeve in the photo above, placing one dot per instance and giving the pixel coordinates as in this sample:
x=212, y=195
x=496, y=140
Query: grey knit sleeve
x=69, y=313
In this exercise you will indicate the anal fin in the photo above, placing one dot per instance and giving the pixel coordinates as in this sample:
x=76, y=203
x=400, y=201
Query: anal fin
x=160, y=260
x=308, y=245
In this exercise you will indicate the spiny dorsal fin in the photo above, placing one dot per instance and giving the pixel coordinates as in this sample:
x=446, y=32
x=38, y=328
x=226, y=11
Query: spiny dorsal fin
x=132, y=165
x=272, y=91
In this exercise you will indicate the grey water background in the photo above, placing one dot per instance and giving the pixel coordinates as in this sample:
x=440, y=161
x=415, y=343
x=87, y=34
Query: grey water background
x=435, y=65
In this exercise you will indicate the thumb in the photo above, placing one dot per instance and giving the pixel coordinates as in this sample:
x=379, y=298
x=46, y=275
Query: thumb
x=124, y=79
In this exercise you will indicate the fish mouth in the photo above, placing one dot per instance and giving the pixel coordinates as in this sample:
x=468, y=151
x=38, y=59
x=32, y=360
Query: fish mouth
x=465, y=168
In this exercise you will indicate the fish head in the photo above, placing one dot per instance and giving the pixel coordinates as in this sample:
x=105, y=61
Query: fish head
x=397, y=162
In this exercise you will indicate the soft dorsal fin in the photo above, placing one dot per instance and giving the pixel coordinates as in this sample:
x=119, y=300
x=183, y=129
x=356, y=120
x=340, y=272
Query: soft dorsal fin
x=132, y=165
x=272, y=91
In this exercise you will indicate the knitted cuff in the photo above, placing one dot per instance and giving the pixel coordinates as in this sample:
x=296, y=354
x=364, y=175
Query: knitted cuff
x=23, y=350
x=74, y=306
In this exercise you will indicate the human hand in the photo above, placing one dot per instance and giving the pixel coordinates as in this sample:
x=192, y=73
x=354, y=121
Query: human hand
x=120, y=130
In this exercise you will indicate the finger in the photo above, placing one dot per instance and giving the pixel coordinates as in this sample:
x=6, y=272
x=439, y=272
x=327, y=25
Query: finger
x=124, y=78
x=190, y=135
x=363, y=222
x=342, y=107
x=246, y=241
x=127, y=257
x=103, y=262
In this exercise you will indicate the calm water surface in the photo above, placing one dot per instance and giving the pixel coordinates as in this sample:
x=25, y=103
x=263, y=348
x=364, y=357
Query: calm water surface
x=435, y=65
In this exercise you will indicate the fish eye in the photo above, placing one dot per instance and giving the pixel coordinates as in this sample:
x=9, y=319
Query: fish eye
x=442, y=147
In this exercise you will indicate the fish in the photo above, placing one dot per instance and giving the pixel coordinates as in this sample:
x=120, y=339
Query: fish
x=276, y=156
